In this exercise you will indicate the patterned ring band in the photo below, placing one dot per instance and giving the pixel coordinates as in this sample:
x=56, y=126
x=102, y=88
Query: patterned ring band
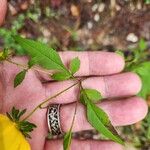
x=53, y=119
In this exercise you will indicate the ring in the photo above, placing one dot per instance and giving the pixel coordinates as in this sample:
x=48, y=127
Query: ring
x=53, y=119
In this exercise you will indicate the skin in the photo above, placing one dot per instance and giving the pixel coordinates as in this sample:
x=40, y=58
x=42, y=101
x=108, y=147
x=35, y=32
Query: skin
x=109, y=81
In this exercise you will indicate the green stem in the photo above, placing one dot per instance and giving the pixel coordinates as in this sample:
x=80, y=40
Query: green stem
x=48, y=99
x=26, y=67
x=76, y=106
x=75, y=111
x=17, y=64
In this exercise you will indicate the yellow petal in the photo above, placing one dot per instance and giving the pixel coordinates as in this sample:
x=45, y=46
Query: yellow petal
x=10, y=137
x=24, y=145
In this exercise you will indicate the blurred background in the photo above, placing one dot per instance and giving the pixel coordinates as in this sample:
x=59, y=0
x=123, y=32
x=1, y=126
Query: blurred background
x=80, y=25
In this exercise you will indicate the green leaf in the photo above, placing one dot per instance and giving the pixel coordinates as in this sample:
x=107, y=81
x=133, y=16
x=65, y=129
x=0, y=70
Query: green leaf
x=59, y=76
x=15, y=113
x=67, y=140
x=19, y=78
x=147, y=1
x=21, y=113
x=4, y=54
x=92, y=94
x=95, y=119
x=96, y=116
x=32, y=62
x=42, y=54
x=143, y=70
x=74, y=65
x=119, y=52
x=101, y=114
x=83, y=97
x=24, y=126
x=142, y=45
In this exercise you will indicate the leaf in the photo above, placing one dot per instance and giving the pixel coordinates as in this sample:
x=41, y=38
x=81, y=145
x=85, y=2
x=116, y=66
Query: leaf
x=97, y=117
x=4, y=54
x=19, y=78
x=119, y=52
x=74, y=65
x=21, y=113
x=143, y=70
x=42, y=54
x=32, y=62
x=92, y=94
x=67, y=140
x=142, y=45
x=95, y=120
x=26, y=127
x=147, y=1
x=101, y=114
x=83, y=97
x=15, y=113
x=59, y=76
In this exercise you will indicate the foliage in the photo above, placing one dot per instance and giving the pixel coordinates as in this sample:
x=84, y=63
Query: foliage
x=147, y=1
x=92, y=94
x=24, y=126
x=74, y=65
x=41, y=54
x=96, y=116
x=19, y=78
x=139, y=65
x=67, y=140
x=4, y=54
x=7, y=37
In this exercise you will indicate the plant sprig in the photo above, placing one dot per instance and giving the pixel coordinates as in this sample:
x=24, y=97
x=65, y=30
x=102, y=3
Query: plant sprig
x=47, y=58
x=138, y=63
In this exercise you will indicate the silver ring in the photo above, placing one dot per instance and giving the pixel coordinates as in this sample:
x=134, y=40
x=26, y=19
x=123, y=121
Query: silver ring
x=53, y=119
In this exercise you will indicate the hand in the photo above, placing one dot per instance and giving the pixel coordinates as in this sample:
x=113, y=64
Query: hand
x=109, y=81
x=37, y=86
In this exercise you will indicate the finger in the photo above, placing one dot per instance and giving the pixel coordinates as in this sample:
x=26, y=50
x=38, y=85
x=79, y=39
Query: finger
x=83, y=145
x=3, y=8
x=93, y=63
x=110, y=86
x=121, y=112
x=125, y=84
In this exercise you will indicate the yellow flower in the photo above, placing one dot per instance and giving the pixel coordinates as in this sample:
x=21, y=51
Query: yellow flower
x=10, y=137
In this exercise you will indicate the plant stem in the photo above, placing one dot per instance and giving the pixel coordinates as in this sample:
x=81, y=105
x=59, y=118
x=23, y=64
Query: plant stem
x=26, y=67
x=49, y=98
x=17, y=64
x=75, y=111
x=76, y=106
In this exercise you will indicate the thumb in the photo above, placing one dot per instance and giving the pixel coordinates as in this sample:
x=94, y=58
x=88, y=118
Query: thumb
x=3, y=8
